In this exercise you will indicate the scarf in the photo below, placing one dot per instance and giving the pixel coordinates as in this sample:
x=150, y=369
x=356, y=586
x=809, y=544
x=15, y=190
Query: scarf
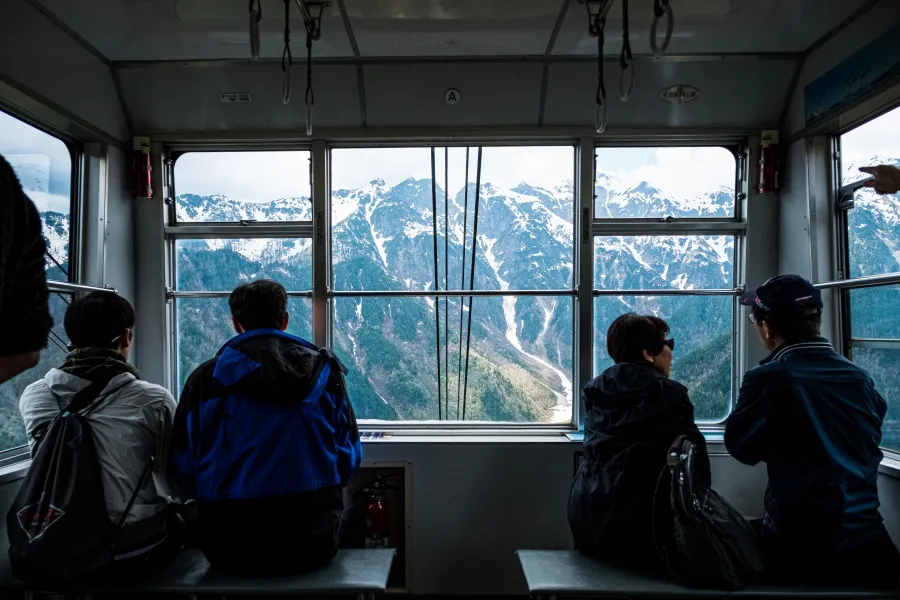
x=97, y=365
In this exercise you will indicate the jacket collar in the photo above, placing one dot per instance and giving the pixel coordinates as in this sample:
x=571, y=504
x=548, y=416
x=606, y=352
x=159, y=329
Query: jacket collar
x=818, y=343
x=264, y=332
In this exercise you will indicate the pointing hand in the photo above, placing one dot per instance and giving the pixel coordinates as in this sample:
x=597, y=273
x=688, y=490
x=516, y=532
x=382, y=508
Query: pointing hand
x=887, y=179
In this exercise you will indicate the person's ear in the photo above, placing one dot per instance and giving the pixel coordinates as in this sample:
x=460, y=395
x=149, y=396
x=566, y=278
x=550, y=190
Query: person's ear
x=237, y=325
x=284, y=323
x=647, y=356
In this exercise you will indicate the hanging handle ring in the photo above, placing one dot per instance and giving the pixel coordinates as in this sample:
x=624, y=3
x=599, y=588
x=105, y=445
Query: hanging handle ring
x=601, y=117
x=286, y=85
x=661, y=10
x=626, y=81
x=255, y=18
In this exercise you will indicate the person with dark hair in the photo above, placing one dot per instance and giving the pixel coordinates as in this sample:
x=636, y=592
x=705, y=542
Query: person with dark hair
x=130, y=419
x=815, y=419
x=634, y=412
x=24, y=308
x=265, y=441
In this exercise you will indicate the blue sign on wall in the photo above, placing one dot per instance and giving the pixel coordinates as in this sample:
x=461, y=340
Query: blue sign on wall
x=854, y=77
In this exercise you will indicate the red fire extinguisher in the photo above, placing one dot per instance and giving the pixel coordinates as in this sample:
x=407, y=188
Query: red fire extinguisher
x=378, y=518
x=768, y=162
x=142, y=168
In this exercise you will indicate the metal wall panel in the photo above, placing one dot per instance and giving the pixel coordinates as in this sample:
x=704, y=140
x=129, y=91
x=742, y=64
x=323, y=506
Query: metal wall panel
x=793, y=212
x=491, y=95
x=186, y=99
x=733, y=93
x=37, y=56
x=121, y=268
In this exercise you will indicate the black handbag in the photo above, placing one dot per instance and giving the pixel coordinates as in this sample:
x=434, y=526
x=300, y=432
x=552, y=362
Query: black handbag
x=707, y=544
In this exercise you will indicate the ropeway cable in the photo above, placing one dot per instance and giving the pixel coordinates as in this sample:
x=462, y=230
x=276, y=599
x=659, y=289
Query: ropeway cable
x=437, y=300
x=472, y=277
x=446, y=283
x=462, y=285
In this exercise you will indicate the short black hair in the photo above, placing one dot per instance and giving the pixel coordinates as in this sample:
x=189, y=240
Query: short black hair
x=793, y=325
x=260, y=304
x=631, y=334
x=96, y=319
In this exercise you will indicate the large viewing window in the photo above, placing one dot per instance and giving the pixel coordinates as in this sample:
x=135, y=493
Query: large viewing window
x=502, y=358
x=873, y=248
x=43, y=164
x=221, y=189
x=687, y=280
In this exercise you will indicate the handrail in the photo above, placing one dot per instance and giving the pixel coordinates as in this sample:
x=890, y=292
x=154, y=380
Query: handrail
x=447, y=293
x=860, y=282
x=65, y=286
x=217, y=294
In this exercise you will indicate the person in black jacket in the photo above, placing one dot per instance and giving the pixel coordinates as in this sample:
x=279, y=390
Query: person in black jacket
x=634, y=413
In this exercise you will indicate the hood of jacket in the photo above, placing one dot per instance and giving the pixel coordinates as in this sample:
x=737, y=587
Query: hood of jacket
x=631, y=401
x=269, y=365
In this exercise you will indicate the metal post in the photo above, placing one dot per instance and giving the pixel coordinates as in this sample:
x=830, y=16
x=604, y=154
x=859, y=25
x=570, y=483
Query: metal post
x=321, y=247
x=583, y=274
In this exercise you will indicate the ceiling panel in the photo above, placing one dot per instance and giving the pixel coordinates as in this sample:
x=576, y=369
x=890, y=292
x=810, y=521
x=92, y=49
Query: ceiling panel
x=703, y=26
x=491, y=95
x=193, y=29
x=186, y=100
x=733, y=93
x=452, y=27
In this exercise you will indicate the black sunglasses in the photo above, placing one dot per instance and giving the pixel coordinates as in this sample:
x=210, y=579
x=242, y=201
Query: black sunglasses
x=670, y=343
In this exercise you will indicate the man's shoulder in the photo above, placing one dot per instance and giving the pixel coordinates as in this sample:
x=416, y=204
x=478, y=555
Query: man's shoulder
x=150, y=392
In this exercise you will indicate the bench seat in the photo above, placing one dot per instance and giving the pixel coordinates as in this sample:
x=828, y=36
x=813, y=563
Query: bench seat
x=359, y=572
x=569, y=573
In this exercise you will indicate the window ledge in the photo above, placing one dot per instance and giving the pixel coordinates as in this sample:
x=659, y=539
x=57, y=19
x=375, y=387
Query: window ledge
x=890, y=466
x=14, y=471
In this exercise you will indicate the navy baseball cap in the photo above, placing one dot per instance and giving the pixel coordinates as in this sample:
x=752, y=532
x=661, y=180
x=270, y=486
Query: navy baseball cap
x=784, y=292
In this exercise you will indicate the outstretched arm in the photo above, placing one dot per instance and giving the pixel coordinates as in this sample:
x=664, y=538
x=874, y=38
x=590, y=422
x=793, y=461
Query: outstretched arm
x=886, y=179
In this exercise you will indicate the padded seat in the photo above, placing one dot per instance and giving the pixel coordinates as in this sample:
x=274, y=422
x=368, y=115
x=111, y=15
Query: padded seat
x=569, y=573
x=359, y=572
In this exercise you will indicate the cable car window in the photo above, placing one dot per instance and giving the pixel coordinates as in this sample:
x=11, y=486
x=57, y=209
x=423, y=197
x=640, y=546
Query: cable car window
x=874, y=221
x=872, y=234
x=43, y=164
x=234, y=187
x=416, y=358
x=655, y=183
x=12, y=429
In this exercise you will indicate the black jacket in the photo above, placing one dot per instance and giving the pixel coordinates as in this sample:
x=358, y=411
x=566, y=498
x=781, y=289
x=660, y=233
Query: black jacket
x=634, y=413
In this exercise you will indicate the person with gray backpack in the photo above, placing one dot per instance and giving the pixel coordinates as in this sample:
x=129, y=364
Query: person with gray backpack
x=94, y=501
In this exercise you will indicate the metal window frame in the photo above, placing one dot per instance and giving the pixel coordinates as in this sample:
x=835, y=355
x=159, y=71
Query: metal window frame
x=585, y=229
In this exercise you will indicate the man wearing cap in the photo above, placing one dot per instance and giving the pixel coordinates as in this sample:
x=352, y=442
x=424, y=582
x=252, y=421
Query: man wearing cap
x=815, y=419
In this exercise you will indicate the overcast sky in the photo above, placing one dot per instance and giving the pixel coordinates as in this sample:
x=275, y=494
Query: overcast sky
x=44, y=165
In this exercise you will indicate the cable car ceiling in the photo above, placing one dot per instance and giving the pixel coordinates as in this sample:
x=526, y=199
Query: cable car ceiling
x=136, y=30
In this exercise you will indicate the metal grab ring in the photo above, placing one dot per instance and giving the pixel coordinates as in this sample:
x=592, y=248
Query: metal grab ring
x=601, y=116
x=625, y=93
x=308, y=119
x=670, y=26
x=286, y=84
x=254, y=34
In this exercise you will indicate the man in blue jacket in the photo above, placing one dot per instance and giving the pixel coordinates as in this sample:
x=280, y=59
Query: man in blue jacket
x=265, y=439
x=815, y=419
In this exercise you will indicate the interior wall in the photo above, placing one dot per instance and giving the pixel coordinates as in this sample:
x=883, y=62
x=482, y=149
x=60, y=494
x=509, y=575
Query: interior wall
x=882, y=17
x=179, y=99
x=121, y=267
x=793, y=211
x=45, y=63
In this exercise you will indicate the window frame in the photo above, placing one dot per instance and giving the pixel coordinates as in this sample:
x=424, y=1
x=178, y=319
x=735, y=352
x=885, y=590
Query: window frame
x=734, y=226
x=844, y=201
x=321, y=232
x=77, y=184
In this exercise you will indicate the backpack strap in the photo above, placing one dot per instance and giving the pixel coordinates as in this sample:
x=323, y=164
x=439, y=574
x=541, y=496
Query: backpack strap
x=134, y=495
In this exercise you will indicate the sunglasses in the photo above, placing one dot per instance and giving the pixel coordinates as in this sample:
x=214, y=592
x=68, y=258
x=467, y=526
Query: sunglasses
x=670, y=343
x=754, y=319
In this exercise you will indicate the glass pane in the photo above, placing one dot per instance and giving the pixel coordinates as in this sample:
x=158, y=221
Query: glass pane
x=664, y=262
x=384, y=223
x=873, y=312
x=220, y=265
x=44, y=167
x=874, y=222
x=204, y=325
x=237, y=186
x=520, y=358
x=12, y=430
x=702, y=327
x=883, y=366
x=654, y=183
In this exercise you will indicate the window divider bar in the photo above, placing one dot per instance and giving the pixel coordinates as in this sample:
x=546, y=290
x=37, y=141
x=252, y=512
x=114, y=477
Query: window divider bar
x=884, y=344
x=612, y=227
x=217, y=294
x=447, y=293
x=860, y=282
x=66, y=287
x=669, y=292
x=287, y=229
